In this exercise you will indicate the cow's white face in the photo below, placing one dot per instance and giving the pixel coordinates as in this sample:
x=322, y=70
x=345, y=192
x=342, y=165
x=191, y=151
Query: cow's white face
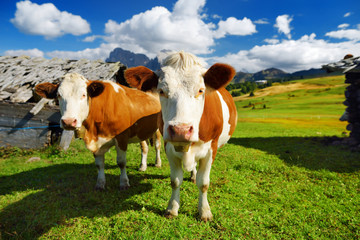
x=182, y=97
x=73, y=101
x=181, y=84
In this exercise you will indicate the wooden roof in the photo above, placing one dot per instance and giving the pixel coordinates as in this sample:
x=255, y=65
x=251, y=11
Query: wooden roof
x=19, y=75
x=346, y=65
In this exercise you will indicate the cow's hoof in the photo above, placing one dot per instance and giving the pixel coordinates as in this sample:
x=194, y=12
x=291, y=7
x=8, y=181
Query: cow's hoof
x=193, y=180
x=123, y=188
x=206, y=216
x=142, y=168
x=170, y=214
x=100, y=188
x=158, y=165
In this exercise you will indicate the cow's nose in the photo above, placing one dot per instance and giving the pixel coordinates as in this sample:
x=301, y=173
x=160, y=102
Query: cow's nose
x=69, y=122
x=180, y=132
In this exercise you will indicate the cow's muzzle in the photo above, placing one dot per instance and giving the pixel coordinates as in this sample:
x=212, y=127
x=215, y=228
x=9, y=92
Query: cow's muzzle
x=180, y=132
x=69, y=123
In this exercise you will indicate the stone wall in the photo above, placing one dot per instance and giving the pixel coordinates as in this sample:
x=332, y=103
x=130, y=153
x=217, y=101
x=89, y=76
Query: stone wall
x=352, y=102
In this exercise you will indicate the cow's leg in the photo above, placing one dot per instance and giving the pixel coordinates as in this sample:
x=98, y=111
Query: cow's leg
x=176, y=175
x=193, y=175
x=157, y=141
x=144, y=153
x=99, y=162
x=203, y=182
x=121, y=162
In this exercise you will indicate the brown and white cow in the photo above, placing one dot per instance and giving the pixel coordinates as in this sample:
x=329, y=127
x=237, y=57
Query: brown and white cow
x=111, y=115
x=198, y=117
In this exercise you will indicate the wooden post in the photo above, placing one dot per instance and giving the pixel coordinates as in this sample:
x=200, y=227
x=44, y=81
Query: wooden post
x=66, y=138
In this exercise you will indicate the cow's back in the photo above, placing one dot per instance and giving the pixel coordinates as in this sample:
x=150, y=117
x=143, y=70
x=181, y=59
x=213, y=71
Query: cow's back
x=117, y=109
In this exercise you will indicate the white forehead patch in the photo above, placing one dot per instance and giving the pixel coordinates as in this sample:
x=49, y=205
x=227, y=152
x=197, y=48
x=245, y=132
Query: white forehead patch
x=116, y=87
x=181, y=71
x=72, y=83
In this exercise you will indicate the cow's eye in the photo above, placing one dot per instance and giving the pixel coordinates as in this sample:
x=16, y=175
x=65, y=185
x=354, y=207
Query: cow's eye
x=83, y=96
x=200, y=92
x=162, y=93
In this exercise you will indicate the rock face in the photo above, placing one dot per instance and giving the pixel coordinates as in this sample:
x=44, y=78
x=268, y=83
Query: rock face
x=131, y=59
x=19, y=75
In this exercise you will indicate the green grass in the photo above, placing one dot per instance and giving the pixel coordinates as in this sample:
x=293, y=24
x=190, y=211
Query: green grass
x=277, y=178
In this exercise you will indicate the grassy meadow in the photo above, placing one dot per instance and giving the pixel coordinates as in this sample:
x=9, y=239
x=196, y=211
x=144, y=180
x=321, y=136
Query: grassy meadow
x=279, y=177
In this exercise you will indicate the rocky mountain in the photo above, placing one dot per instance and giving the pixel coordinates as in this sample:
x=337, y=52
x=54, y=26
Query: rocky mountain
x=131, y=59
x=268, y=74
x=275, y=74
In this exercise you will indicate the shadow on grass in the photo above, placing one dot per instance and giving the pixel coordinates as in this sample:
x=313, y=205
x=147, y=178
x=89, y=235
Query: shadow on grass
x=314, y=153
x=61, y=192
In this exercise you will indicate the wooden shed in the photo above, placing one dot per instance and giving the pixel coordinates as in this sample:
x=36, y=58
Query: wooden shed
x=26, y=121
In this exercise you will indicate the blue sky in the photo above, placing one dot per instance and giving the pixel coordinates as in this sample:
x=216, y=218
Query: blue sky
x=251, y=35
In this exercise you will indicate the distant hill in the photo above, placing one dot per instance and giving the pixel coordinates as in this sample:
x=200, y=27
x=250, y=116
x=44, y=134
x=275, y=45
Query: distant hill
x=131, y=59
x=267, y=74
x=275, y=74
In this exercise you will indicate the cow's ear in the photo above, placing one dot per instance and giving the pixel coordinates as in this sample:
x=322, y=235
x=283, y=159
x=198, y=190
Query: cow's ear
x=219, y=75
x=141, y=78
x=95, y=88
x=47, y=90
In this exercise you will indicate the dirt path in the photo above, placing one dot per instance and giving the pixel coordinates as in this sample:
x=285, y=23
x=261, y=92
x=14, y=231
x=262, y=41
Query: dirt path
x=281, y=89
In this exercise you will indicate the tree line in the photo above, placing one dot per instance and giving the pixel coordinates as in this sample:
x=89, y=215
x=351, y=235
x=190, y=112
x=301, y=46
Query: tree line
x=238, y=89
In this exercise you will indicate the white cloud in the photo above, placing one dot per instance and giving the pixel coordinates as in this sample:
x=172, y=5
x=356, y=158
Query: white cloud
x=347, y=14
x=91, y=38
x=272, y=41
x=215, y=16
x=290, y=55
x=182, y=29
x=283, y=24
x=344, y=25
x=29, y=52
x=101, y=52
x=46, y=20
x=351, y=34
x=233, y=26
x=262, y=21
x=158, y=29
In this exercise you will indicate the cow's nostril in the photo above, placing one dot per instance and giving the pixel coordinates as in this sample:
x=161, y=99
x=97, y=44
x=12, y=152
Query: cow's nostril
x=171, y=130
x=191, y=129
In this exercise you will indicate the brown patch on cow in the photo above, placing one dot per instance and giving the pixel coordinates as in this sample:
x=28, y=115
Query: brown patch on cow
x=141, y=78
x=204, y=188
x=95, y=88
x=214, y=147
x=47, y=90
x=219, y=75
x=174, y=185
x=232, y=109
x=211, y=124
x=160, y=123
x=124, y=115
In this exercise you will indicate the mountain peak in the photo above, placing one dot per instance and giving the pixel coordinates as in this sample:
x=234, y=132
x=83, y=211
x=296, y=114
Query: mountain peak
x=131, y=59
